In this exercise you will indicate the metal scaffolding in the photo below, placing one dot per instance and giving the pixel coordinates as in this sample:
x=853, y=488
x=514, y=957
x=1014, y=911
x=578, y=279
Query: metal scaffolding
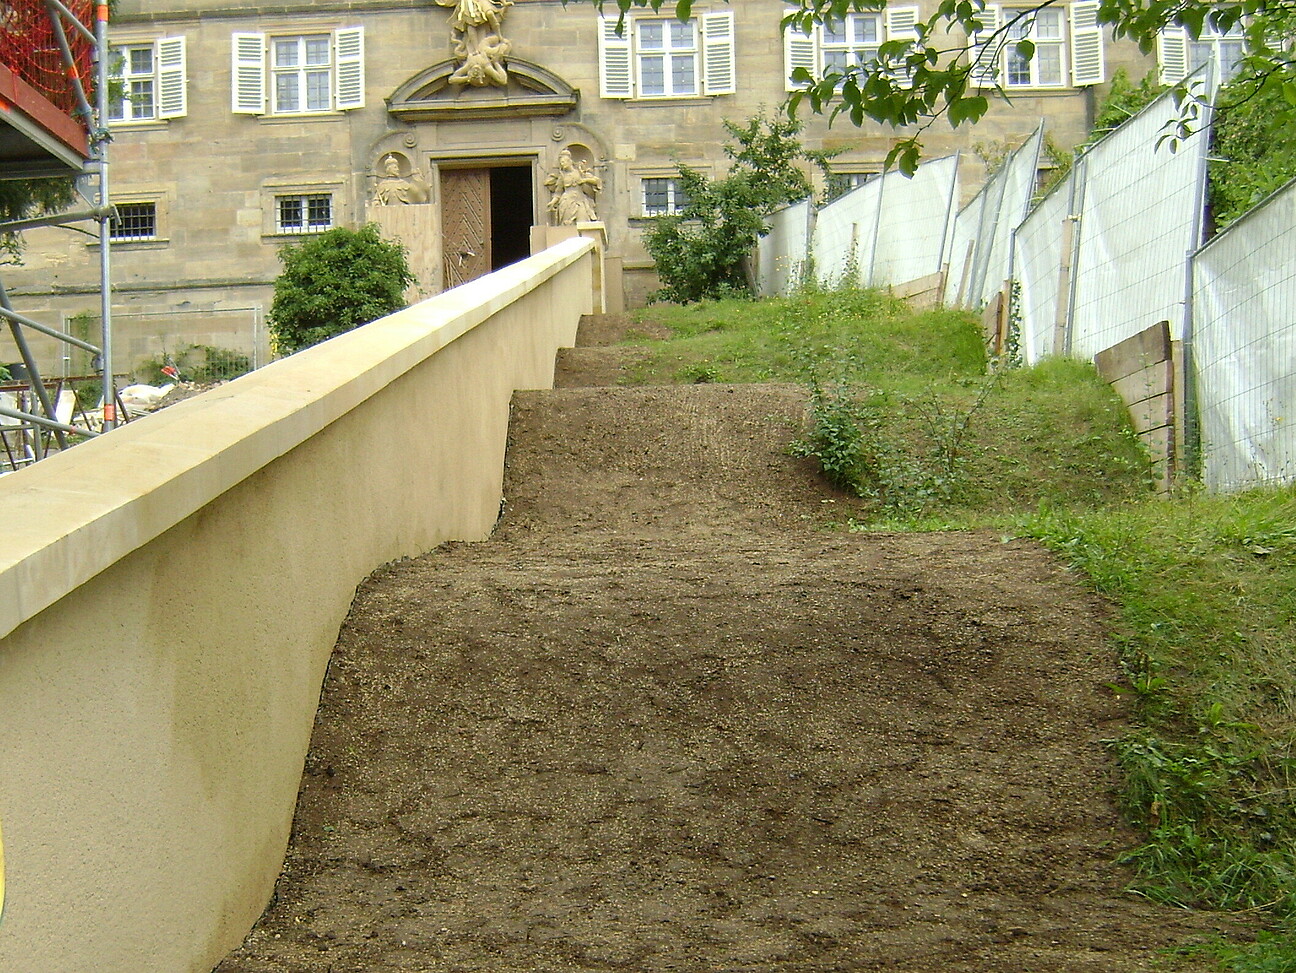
x=53, y=60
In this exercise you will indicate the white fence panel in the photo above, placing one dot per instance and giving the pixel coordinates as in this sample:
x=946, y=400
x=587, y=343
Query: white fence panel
x=844, y=234
x=1038, y=269
x=781, y=254
x=891, y=230
x=979, y=256
x=1244, y=347
x=1141, y=217
x=916, y=223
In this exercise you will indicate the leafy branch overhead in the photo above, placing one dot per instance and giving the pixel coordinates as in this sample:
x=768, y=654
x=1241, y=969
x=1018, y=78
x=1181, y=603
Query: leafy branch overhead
x=946, y=69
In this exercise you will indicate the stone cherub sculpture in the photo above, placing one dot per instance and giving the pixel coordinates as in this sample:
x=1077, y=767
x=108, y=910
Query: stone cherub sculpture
x=477, y=27
x=573, y=190
x=393, y=189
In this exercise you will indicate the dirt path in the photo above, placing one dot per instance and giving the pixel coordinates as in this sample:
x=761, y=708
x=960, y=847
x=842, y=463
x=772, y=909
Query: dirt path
x=662, y=722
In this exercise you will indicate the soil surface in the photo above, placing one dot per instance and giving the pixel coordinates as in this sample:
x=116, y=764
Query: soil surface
x=664, y=720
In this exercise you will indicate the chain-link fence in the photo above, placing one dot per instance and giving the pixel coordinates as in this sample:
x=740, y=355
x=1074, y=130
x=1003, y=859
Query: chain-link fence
x=1244, y=346
x=201, y=345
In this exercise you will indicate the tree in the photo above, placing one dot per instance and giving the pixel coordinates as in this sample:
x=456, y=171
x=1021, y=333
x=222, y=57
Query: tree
x=702, y=251
x=1254, y=151
x=24, y=198
x=334, y=282
x=937, y=73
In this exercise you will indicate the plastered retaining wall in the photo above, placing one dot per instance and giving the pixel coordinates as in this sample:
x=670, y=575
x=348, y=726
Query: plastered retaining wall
x=170, y=595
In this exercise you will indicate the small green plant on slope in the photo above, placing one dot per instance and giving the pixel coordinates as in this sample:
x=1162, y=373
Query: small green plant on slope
x=334, y=282
x=703, y=251
x=865, y=442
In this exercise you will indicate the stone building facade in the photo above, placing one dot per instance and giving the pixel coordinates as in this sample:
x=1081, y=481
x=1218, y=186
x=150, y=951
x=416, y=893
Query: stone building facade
x=247, y=127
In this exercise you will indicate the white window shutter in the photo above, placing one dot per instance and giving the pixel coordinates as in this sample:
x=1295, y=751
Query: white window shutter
x=799, y=51
x=719, y=74
x=986, y=49
x=616, y=79
x=1087, y=66
x=900, y=26
x=1172, y=54
x=172, y=100
x=900, y=23
x=249, y=74
x=349, y=90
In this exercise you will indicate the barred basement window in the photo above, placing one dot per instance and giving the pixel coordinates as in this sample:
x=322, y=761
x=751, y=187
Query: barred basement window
x=311, y=213
x=662, y=196
x=134, y=221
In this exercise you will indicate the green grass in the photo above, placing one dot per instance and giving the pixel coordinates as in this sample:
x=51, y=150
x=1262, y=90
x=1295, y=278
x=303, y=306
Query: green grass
x=939, y=438
x=1204, y=588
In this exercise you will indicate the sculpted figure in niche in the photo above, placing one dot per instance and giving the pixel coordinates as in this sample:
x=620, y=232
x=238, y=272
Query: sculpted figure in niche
x=393, y=189
x=573, y=190
x=477, y=27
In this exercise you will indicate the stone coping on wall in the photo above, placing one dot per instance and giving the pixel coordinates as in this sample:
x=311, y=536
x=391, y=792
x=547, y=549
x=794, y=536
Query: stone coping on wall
x=70, y=516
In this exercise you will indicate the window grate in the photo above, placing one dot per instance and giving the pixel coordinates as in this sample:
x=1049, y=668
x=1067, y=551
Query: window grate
x=308, y=213
x=134, y=221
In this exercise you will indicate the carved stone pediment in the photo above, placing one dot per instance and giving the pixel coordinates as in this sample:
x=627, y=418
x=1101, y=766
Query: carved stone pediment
x=531, y=90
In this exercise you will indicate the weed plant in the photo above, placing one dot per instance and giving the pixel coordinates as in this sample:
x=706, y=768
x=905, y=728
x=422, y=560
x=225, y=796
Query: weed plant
x=904, y=414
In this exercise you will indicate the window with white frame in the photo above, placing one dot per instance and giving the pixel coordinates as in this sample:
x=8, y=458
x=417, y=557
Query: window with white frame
x=304, y=213
x=1179, y=55
x=298, y=74
x=655, y=57
x=663, y=195
x=148, y=81
x=666, y=57
x=1052, y=47
x=833, y=46
x=1042, y=64
x=134, y=221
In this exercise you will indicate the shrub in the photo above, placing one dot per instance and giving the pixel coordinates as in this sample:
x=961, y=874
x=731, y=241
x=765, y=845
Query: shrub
x=334, y=282
x=703, y=251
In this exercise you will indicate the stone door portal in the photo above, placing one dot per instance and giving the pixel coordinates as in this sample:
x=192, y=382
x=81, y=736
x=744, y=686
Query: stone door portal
x=465, y=224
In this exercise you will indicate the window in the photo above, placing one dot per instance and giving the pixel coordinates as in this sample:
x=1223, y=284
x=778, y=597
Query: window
x=296, y=74
x=301, y=72
x=134, y=221
x=664, y=58
x=667, y=57
x=840, y=183
x=1046, y=68
x=1067, y=42
x=1179, y=55
x=663, y=195
x=833, y=47
x=307, y=213
x=152, y=81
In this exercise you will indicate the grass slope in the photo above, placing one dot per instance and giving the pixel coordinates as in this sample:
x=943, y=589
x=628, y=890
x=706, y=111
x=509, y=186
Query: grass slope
x=906, y=416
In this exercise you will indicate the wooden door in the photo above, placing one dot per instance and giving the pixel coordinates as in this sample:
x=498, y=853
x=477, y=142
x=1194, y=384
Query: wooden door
x=465, y=224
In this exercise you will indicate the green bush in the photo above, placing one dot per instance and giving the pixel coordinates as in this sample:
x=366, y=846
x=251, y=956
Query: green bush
x=702, y=252
x=1254, y=151
x=334, y=282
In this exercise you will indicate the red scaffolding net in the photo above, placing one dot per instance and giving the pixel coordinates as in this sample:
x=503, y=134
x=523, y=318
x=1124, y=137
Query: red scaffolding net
x=29, y=47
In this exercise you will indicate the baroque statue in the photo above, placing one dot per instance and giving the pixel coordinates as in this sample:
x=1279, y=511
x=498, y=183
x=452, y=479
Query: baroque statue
x=393, y=189
x=573, y=189
x=480, y=47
